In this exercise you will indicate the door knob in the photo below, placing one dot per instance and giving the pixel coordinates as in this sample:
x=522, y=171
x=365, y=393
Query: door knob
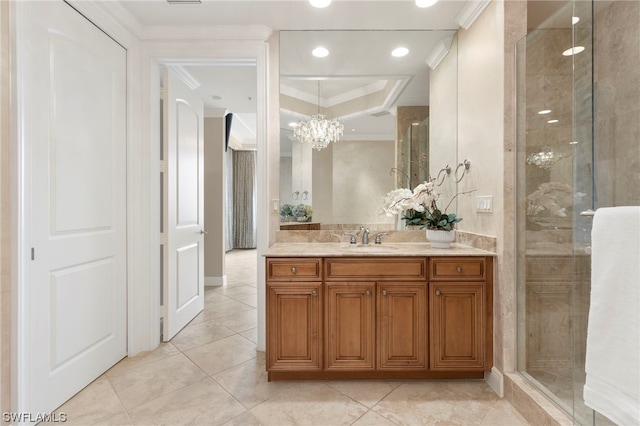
x=368, y=292
x=293, y=270
x=438, y=293
x=384, y=292
x=459, y=269
x=203, y=232
x=314, y=292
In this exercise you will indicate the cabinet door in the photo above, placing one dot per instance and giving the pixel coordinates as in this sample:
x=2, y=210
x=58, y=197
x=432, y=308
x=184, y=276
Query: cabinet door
x=402, y=326
x=456, y=318
x=294, y=323
x=350, y=326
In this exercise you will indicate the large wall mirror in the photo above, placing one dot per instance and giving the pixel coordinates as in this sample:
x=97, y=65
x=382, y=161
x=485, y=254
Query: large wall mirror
x=394, y=118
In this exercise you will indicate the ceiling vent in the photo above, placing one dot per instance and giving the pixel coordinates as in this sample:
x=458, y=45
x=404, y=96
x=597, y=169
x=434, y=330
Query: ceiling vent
x=184, y=1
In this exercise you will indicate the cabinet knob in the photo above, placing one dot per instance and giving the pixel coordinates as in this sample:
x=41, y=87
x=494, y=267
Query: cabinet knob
x=368, y=292
x=438, y=293
x=459, y=269
x=384, y=292
x=314, y=292
x=293, y=270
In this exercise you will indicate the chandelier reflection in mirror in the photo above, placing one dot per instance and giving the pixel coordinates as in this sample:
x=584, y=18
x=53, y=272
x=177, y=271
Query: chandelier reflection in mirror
x=545, y=158
x=319, y=131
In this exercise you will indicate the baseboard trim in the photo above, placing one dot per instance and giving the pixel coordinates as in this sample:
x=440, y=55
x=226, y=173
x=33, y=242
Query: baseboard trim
x=495, y=380
x=215, y=281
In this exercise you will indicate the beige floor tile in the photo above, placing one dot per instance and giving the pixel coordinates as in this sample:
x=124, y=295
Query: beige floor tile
x=237, y=290
x=309, y=403
x=118, y=420
x=245, y=419
x=423, y=403
x=220, y=308
x=240, y=321
x=251, y=335
x=153, y=380
x=247, y=299
x=201, y=403
x=163, y=351
x=248, y=383
x=367, y=393
x=503, y=414
x=372, y=419
x=223, y=354
x=199, y=334
x=92, y=404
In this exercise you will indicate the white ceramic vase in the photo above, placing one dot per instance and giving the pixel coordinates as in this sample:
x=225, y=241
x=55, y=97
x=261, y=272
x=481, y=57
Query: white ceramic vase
x=440, y=239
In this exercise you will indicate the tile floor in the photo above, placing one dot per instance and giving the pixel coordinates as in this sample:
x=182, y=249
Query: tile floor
x=211, y=374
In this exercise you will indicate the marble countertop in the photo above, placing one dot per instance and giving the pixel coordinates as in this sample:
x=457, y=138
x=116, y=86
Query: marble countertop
x=332, y=249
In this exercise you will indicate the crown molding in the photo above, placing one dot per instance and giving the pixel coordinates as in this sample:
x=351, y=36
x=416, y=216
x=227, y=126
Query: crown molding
x=470, y=13
x=185, y=76
x=438, y=52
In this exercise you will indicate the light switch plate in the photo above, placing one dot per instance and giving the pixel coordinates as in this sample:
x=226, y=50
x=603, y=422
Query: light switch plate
x=484, y=204
x=275, y=205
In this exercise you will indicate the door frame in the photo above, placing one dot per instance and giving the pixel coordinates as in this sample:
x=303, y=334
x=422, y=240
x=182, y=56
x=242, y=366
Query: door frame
x=207, y=52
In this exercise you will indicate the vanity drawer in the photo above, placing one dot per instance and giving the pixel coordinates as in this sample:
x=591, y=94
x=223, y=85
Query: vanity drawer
x=376, y=268
x=294, y=269
x=457, y=268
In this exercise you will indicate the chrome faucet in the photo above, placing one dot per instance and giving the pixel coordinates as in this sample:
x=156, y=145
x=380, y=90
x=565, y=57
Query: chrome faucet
x=365, y=235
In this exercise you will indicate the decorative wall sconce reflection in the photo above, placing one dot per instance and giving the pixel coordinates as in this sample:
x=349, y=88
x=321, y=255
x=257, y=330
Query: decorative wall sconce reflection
x=296, y=195
x=305, y=195
x=465, y=166
x=545, y=158
x=442, y=174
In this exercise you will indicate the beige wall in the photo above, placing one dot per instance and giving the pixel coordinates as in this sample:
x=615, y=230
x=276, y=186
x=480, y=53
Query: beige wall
x=486, y=131
x=214, y=166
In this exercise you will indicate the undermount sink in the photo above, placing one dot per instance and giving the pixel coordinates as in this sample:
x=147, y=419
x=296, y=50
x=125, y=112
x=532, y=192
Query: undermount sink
x=373, y=248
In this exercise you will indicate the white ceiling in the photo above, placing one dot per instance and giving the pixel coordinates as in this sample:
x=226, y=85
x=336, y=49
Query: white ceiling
x=358, y=58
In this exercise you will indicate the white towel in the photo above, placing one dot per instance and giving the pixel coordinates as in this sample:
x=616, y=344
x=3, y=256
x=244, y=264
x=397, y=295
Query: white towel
x=613, y=335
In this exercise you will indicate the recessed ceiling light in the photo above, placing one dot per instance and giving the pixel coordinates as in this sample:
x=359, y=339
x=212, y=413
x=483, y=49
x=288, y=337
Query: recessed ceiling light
x=573, y=143
x=552, y=121
x=399, y=52
x=575, y=20
x=573, y=51
x=320, y=52
x=320, y=3
x=426, y=3
x=216, y=97
x=544, y=111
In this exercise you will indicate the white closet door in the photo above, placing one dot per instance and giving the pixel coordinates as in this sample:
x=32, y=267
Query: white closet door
x=73, y=97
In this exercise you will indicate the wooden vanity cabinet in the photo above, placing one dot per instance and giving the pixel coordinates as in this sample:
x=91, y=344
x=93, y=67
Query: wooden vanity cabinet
x=460, y=314
x=379, y=317
x=294, y=314
x=402, y=326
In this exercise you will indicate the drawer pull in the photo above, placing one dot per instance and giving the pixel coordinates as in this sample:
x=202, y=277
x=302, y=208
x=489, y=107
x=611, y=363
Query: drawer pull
x=384, y=292
x=314, y=292
x=293, y=270
x=438, y=293
x=459, y=269
x=368, y=292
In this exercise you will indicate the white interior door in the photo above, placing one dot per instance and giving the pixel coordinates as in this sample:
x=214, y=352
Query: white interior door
x=74, y=130
x=183, y=122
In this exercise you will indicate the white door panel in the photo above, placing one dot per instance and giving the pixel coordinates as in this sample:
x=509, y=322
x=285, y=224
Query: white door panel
x=183, y=123
x=75, y=130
